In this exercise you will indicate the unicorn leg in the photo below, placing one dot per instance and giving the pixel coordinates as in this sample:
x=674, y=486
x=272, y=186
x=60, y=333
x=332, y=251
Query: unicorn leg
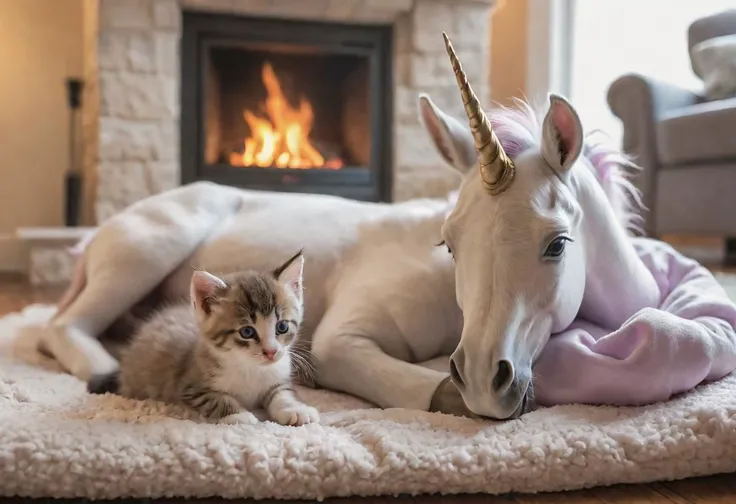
x=131, y=254
x=358, y=366
x=114, y=283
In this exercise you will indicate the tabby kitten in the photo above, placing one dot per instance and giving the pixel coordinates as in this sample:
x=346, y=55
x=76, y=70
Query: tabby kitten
x=227, y=353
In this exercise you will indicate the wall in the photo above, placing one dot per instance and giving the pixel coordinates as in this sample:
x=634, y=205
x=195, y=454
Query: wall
x=40, y=46
x=509, y=50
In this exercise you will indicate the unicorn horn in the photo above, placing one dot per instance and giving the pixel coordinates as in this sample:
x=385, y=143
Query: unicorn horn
x=496, y=168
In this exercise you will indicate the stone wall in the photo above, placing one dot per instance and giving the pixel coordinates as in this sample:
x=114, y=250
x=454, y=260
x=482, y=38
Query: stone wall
x=131, y=109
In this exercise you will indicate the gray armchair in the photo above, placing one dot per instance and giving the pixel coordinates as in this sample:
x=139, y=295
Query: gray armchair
x=685, y=144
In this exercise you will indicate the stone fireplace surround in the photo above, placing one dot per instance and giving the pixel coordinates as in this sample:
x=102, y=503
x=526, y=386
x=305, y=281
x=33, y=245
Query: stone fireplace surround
x=131, y=103
x=131, y=109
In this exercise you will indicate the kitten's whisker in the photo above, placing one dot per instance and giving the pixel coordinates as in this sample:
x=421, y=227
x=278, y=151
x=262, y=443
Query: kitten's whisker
x=303, y=366
x=302, y=363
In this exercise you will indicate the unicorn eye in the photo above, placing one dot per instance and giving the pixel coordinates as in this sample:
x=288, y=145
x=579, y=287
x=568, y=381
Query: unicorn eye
x=556, y=247
x=282, y=326
x=248, y=332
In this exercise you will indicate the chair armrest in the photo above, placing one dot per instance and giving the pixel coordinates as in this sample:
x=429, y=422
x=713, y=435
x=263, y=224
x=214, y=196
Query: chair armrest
x=640, y=102
x=634, y=95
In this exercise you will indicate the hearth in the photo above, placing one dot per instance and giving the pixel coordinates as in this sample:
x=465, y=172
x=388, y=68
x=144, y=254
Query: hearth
x=293, y=106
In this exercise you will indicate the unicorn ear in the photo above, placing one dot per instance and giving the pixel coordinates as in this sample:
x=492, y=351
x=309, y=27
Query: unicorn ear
x=204, y=289
x=290, y=274
x=451, y=138
x=562, y=134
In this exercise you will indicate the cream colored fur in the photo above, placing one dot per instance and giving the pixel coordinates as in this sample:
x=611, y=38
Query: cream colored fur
x=375, y=287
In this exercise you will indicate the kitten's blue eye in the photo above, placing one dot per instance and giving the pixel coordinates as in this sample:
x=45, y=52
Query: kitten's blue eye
x=248, y=332
x=556, y=247
x=282, y=326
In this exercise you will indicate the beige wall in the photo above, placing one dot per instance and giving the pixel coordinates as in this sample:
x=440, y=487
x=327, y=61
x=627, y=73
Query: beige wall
x=508, y=50
x=40, y=46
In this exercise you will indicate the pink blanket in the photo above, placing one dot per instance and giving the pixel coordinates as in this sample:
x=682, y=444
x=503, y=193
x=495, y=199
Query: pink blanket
x=656, y=353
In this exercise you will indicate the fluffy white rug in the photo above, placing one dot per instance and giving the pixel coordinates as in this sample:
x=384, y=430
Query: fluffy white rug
x=58, y=441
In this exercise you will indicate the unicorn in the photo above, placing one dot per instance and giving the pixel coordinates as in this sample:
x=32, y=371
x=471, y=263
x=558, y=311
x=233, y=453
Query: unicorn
x=537, y=292
x=536, y=245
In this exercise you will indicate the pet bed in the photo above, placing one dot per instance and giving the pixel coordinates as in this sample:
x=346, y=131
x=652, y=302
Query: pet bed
x=58, y=441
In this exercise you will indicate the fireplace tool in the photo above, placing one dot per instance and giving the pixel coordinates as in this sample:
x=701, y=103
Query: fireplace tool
x=73, y=177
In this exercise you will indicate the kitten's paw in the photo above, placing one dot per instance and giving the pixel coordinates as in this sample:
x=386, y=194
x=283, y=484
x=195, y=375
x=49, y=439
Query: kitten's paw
x=299, y=414
x=242, y=418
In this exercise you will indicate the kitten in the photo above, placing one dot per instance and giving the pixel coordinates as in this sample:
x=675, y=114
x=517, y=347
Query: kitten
x=226, y=353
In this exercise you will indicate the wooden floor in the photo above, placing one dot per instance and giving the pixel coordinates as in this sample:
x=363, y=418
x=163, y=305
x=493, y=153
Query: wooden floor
x=15, y=294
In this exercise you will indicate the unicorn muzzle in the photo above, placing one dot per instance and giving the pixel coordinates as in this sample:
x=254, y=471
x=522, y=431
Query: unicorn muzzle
x=504, y=393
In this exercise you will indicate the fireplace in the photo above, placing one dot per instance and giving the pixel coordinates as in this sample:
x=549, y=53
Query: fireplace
x=167, y=84
x=283, y=105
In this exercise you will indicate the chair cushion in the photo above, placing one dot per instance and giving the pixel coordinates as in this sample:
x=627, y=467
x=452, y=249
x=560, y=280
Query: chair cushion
x=715, y=60
x=698, y=133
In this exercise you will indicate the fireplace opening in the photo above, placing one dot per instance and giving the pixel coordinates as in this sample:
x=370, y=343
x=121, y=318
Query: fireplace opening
x=287, y=105
x=272, y=110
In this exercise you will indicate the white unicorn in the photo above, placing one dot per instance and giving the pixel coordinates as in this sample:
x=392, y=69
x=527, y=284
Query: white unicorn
x=536, y=245
x=535, y=241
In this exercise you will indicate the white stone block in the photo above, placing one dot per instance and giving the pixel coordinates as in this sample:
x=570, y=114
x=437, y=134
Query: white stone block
x=448, y=99
x=414, y=147
x=406, y=109
x=435, y=70
x=431, y=70
x=299, y=9
x=471, y=27
x=124, y=140
x=402, y=69
x=428, y=182
x=169, y=141
x=112, y=51
x=50, y=265
x=136, y=14
x=216, y=5
x=396, y=5
x=141, y=51
x=138, y=96
x=167, y=14
x=122, y=183
x=373, y=15
x=342, y=10
x=403, y=34
x=167, y=54
x=162, y=176
x=429, y=19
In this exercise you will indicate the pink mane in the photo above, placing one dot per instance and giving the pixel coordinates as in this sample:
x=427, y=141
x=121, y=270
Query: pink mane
x=519, y=128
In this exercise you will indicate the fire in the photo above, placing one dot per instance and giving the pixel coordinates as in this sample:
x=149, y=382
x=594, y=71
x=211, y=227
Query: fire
x=282, y=139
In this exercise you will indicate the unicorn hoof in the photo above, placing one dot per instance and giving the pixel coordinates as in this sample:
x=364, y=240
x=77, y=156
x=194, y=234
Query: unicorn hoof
x=447, y=399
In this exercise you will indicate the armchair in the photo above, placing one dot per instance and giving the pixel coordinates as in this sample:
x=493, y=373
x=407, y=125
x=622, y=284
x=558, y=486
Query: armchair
x=685, y=144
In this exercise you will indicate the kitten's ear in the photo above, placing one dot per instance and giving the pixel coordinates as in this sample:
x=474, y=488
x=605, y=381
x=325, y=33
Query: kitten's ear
x=290, y=273
x=204, y=289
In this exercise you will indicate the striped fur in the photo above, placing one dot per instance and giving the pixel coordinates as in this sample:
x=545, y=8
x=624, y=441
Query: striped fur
x=197, y=354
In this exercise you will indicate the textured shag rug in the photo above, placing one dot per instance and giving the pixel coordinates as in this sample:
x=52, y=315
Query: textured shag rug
x=58, y=441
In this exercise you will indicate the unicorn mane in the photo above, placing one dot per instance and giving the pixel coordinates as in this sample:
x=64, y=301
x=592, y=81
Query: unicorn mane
x=519, y=128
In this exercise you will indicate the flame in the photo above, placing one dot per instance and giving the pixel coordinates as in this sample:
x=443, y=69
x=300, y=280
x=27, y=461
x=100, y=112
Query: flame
x=282, y=139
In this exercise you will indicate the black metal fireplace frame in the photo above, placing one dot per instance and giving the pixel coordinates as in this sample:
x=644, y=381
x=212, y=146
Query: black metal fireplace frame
x=202, y=30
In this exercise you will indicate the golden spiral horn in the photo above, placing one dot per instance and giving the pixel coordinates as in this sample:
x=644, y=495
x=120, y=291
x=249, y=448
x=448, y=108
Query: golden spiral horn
x=496, y=168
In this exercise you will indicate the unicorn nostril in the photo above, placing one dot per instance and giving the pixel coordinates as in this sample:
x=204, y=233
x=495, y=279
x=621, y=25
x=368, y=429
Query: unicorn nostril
x=504, y=376
x=455, y=374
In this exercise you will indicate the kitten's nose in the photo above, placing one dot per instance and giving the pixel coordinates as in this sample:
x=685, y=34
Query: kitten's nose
x=269, y=353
